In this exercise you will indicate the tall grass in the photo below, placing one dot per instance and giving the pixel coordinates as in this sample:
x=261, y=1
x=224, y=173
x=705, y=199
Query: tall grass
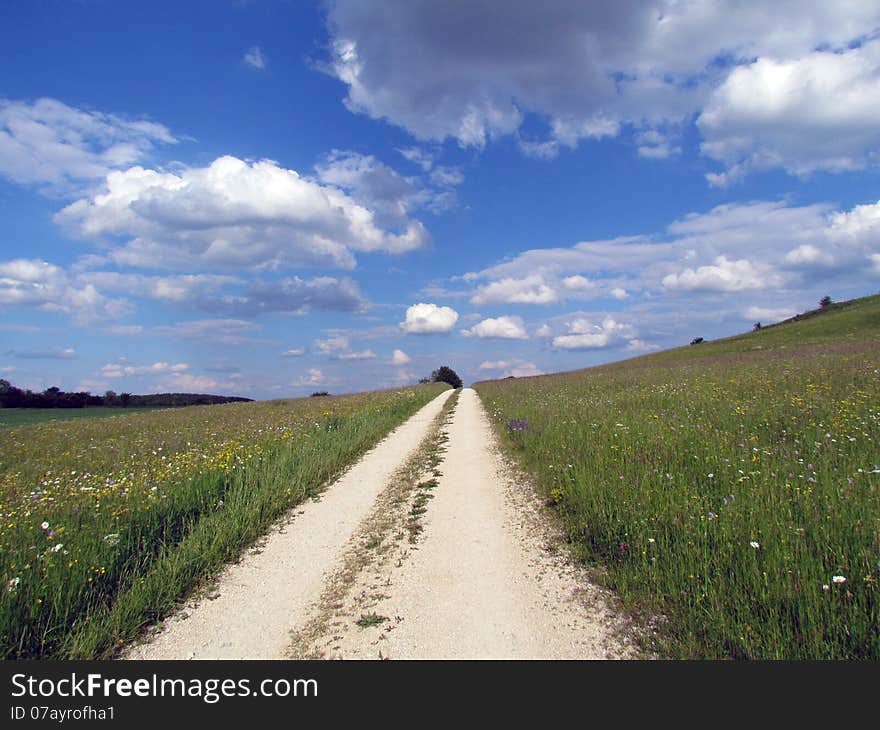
x=106, y=524
x=733, y=494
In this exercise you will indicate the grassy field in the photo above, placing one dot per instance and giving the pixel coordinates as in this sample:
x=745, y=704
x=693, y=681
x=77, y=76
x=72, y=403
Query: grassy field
x=730, y=490
x=107, y=523
x=12, y=417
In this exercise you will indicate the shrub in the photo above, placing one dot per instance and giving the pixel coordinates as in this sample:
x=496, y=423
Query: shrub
x=446, y=374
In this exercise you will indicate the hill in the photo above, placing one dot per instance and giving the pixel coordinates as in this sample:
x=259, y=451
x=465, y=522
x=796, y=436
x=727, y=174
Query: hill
x=728, y=491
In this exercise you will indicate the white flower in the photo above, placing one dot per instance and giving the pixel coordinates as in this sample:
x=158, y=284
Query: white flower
x=826, y=587
x=13, y=584
x=838, y=579
x=45, y=525
x=59, y=546
x=755, y=545
x=112, y=538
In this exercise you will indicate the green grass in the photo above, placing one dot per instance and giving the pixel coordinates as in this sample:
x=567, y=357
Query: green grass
x=107, y=524
x=723, y=486
x=12, y=417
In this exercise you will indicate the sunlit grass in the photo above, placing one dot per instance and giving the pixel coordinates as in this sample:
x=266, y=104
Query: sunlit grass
x=106, y=523
x=731, y=489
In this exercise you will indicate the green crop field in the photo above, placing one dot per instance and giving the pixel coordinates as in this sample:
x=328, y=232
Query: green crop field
x=11, y=417
x=106, y=523
x=730, y=490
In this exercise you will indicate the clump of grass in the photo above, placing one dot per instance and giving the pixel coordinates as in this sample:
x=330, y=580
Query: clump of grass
x=108, y=523
x=735, y=493
x=370, y=619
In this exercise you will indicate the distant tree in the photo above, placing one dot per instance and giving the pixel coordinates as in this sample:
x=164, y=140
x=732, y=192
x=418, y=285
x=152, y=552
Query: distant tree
x=319, y=393
x=124, y=399
x=110, y=398
x=446, y=374
x=757, y=326
x=696, y=340
x=422, y=381
x=825, y=302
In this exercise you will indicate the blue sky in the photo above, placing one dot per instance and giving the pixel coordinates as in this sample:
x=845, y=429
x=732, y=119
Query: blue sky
x=271, y=198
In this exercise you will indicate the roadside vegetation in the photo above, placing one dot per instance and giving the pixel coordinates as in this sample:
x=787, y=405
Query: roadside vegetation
x=730, y=490
x=108, y=523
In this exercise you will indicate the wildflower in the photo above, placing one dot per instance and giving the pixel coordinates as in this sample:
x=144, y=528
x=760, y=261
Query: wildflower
x=112, y=538
x=711, y=515
x=711, y=475
x=755, y=544
x=826, y=587
x=13, y=584
x=839, y=579
x=57, y=548
x=45, y=525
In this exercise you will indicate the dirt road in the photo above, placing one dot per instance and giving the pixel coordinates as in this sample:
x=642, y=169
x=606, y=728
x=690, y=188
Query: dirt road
x=457, y=562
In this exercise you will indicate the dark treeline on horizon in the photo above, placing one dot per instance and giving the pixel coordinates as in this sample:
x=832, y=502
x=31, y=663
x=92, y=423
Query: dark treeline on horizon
x=12, y=397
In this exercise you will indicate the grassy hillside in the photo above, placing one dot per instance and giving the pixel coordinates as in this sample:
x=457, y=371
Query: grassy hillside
x=730, y=489
x=106, y=523
x=13, y=417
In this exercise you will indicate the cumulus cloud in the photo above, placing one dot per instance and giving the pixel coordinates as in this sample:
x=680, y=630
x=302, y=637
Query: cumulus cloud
x=476, y=72
x=255, y=58
x=724, y=275
x=425, y=318
x=234, y=215
x=816, y=112
x=399, y=357
x=39, y=284
x=753, y=246
x=294, y=352
x=584, y=334
x=528, y=290
x=507, y=328
x=47, y=142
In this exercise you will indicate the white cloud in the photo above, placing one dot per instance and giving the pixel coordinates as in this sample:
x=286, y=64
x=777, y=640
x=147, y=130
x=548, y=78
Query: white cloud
x=39, y=284
x=362, y=355
x=187, y=383
x=425, y=318
x=544, y=331
x=235, y=215
x=313, y=377
x=768, y=314
x=331, y=344
x=255, y=58
x=815, y=112
x=121, y=369
x=476, y=72
x=583, y=334
x=508, y=328
x=231, y=332
x=294, y=352
x=46, y=142
x=515, y=368
x=493, y=365
x=724, y=275
x=619, y=293
x=399, y=357
x=528, y=290
x=577, y=283
x=53, y=353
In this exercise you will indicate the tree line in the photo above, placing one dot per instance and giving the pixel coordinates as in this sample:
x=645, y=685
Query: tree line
x=12, y=397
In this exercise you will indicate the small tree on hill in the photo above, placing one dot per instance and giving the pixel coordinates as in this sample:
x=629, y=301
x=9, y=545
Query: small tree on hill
x=446, y=374
x=825, y=302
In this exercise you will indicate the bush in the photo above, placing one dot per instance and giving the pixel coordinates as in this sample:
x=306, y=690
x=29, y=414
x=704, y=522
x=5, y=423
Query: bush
x=319, y=393
x=825, y=301
x=696, y=340
x=446, y=374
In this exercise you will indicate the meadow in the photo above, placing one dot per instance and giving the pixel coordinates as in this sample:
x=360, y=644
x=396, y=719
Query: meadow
x=108, y=523
x=729, y=492
x=12, y=417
